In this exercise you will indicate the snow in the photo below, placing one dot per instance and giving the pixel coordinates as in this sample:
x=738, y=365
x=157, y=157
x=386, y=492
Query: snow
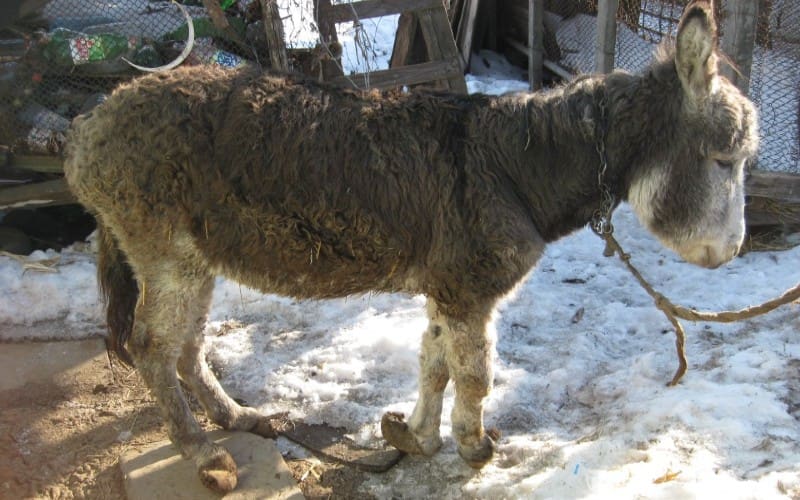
x=581, y=401
x=582, y=358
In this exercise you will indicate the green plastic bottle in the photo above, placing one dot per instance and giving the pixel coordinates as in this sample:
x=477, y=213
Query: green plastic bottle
x=71, y=48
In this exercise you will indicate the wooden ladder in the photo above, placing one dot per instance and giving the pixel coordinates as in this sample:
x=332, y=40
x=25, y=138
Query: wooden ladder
x=427, y=18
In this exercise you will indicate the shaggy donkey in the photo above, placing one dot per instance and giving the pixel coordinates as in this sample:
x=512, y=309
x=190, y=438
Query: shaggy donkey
x=306, y=190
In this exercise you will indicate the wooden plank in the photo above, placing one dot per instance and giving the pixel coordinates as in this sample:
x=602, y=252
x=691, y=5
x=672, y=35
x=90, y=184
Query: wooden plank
x=35, y=163
x=439, y=40
x=346, y=12
x=536, y=43
x=404, y=40
x=220, y=21
x=273, y=27
x=466, y=30
x=606, y=35
x=554, y=67
x=330, y=61
x=774, y=185
x=740, y=26
x=760, y=216
x=404, y=75
x=38, y=194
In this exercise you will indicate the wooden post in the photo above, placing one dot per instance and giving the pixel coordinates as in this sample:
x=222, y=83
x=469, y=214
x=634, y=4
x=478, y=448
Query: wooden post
x=432, y=23
x=606, y=35
x=739, y=39
x=536, y=43
x=466, y=29
x=273, y=27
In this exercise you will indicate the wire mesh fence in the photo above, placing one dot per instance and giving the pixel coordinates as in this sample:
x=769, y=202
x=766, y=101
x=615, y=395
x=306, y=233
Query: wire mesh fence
x=65, y=58
x=775, y=84
x=643, y=24
x=62, y=60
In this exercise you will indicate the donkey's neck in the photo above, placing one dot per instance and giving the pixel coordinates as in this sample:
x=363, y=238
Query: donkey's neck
x=553, y=162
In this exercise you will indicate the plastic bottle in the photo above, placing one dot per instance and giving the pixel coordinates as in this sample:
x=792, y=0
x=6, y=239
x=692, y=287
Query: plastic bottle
x=72, y=48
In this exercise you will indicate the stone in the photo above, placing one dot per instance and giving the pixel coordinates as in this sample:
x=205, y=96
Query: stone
x=39, y=362
x=159, y=471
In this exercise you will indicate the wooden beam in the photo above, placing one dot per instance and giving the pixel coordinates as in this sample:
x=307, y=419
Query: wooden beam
x=438, y=36
x=739, y=40
x=759, y=215
x=34, y=163
x=775, y=185
x=466, y=30
x=36, y=194
x=346, y=12
x=554, y=67
x=404, y=75
x=273, y=27
x=536, y=43
x=606, y=35
x=220, y=21
x=404, y=40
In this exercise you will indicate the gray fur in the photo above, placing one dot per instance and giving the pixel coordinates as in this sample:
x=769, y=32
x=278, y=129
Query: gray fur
x=306, y=190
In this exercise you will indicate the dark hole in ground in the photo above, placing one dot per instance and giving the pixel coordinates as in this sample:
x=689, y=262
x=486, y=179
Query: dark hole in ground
x=27, y=229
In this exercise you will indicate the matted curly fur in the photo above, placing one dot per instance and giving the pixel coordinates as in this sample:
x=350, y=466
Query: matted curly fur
x=307, y=190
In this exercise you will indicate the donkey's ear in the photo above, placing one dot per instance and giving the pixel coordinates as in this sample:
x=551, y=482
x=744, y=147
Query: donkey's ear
x=695, y=56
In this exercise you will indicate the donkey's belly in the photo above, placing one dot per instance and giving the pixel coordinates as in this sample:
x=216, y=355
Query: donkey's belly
x=299, y=256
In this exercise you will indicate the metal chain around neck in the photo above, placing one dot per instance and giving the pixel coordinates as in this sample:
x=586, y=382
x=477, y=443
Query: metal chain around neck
x=601, y=218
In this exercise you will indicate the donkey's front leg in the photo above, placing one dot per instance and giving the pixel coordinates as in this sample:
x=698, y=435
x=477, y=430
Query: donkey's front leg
x=469, y=353
x=421, y=434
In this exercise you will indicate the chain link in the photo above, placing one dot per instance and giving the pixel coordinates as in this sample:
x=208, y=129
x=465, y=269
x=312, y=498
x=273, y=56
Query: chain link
x=601, y=218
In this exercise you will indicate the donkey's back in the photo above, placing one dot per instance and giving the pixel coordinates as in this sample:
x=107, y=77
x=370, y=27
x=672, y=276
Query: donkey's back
x=292, y=188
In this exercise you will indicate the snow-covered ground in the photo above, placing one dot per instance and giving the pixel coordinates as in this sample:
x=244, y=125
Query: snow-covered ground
x=579, y=394
x=580, y=370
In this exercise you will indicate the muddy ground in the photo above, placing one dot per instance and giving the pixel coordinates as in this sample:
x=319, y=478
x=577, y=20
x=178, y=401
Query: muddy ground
x=61, y=437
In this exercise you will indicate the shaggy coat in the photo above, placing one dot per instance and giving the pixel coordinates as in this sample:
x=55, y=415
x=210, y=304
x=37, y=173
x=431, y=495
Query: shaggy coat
x=302, y=189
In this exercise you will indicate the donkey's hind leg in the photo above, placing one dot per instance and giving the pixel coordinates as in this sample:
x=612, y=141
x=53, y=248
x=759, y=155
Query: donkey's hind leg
x=169, y=291
x=196, y=374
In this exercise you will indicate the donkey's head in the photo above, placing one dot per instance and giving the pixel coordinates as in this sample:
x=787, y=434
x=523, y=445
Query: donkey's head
x=693, y=199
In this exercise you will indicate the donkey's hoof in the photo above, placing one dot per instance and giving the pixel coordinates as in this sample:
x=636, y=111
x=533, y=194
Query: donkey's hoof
x=271, y=426
x=398, y=434
x=218, y=473
x=479, y=455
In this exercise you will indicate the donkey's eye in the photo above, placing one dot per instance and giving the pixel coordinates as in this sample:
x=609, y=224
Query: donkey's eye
x=726, y=164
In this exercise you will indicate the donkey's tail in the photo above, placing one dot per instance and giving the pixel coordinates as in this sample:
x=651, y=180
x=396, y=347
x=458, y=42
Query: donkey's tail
x=120, y=293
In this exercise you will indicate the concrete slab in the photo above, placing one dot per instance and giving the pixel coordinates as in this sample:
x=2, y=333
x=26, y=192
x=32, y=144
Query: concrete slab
x=41, y=361
x=159, y=471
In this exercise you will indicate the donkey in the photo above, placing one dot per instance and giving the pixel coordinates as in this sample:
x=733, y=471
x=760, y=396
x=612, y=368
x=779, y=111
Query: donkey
x=311, y=191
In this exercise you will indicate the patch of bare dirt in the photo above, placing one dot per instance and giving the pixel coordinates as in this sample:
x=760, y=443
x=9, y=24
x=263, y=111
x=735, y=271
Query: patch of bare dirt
x=61, y=439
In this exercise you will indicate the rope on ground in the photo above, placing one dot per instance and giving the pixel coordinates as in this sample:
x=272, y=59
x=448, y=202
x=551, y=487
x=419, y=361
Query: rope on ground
x=673, y=312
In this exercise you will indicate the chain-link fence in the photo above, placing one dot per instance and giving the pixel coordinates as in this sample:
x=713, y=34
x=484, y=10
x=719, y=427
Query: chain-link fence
x=775, y=84
x=64, y=57
x=642, y=24
x=59, y=58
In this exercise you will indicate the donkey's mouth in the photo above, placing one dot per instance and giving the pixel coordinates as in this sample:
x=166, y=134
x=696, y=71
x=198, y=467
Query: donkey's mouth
x=709, y=256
